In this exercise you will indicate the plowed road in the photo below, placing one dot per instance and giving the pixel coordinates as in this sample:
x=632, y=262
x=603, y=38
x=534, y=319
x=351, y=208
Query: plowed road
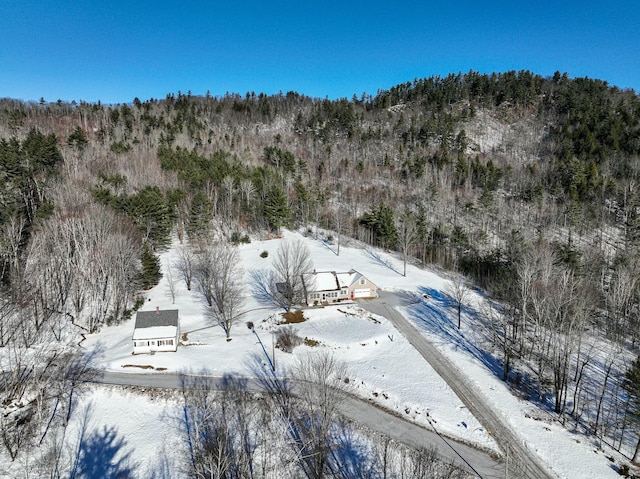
x=521, y=462
x=357, y=410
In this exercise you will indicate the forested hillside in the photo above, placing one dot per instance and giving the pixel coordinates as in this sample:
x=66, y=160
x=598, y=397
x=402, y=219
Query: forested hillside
x=528, y=185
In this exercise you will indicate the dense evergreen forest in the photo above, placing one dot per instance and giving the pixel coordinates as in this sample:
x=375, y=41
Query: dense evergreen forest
x=527, y=185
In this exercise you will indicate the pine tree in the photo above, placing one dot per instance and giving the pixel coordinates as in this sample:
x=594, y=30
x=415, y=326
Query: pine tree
x=149, y=211
x=78, y=139
x=42, y=151
x=150, y=274
x=200, y=215
x=381, y=222
x=276, y=211
x=387, y=231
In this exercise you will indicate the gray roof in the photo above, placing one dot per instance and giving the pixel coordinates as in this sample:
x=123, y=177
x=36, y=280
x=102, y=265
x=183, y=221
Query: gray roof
x=150, y=319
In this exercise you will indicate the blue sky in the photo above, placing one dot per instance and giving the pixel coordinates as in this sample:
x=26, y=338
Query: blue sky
x=114, y=51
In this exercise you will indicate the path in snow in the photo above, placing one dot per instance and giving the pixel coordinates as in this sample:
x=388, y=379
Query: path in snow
x=521, y=460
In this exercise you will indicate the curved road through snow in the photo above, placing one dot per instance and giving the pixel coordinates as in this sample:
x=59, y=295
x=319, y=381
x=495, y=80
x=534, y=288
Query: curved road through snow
x=355, y=409
x=521, y=461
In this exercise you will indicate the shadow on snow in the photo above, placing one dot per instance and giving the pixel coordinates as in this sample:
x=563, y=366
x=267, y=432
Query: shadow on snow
x=374, y=255
x=103, y=454
x=436, y=315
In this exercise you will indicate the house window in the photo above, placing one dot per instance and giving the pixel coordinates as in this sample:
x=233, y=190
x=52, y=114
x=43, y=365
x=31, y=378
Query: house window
x=343, y=292
x=363, y=281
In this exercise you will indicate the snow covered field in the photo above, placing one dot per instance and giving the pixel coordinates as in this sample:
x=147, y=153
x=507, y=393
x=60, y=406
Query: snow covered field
x=383, y=367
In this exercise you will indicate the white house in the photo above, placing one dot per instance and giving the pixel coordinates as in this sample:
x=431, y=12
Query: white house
x=157, y=330
x=322, y=287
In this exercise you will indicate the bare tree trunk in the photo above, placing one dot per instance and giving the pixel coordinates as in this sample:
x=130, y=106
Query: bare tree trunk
x=292, y=260
x=458, y=290
x=607, y=375
x=407, y=229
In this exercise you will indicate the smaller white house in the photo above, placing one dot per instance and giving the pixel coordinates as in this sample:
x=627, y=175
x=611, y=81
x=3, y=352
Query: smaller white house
x=157, y=330
x=323, y=287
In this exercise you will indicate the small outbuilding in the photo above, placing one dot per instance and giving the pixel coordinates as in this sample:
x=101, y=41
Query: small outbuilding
x=323, y=287
x=157, y=330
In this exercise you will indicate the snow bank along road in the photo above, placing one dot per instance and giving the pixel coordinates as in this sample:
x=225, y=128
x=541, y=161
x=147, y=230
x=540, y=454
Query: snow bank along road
x=521, y=461
x=357, y=410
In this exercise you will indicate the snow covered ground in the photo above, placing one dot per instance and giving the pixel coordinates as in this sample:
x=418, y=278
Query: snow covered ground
x=383, y=367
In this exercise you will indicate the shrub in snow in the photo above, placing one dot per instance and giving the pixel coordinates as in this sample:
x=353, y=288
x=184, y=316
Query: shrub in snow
x=312, y=343
x=237, y=238
x=287, y=339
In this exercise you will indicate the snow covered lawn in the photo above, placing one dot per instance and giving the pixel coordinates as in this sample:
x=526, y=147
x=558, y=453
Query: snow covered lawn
x=383, y=367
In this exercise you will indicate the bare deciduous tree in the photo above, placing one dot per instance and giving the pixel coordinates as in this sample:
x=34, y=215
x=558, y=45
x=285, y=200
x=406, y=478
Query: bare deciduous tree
x=294, y=430
x=292, y=259
x=171, y=283
x=319, y=383
x=340, y=220
x=228, y=290
x=619, y=299
x=84, y=255
x=11, y=234
x=407, y=228
x=458, y=290
x=503, y=325
x=186, y=264
x=220, y=279
x=557, y=308
x=222, y=428
x=247, y=196
x=228, y=192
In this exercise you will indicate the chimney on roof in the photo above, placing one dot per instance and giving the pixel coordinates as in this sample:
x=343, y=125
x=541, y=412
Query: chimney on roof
x=157, y=309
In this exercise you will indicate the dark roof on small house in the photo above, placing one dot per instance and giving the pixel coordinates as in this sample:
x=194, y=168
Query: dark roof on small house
x=161, y=317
